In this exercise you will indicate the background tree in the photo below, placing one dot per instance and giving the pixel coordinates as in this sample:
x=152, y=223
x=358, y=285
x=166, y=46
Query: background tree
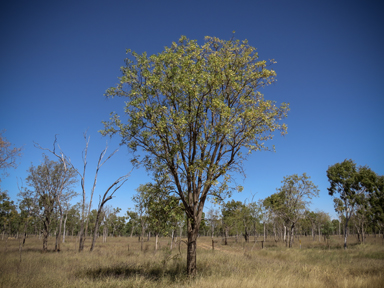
x=133, y=222
x=48, y=181
x=232, y=218
x=6, y=208
x=161, y=208
x=291, y=200
x=376, y=201
x=192, y=108
x=106, y=197
x=350, y=183
x=8, y=154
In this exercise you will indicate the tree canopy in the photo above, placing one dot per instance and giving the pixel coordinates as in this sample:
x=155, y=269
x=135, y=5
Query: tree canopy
x=351, y=184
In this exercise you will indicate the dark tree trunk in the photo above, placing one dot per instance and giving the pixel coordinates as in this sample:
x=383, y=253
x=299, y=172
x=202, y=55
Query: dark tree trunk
x=45, y=234
x=193, y=230
x=81, y=238
x=96, y=229
x=58, y=235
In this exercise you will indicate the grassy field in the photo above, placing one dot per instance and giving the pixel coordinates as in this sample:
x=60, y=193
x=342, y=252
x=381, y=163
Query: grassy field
x=120, y=263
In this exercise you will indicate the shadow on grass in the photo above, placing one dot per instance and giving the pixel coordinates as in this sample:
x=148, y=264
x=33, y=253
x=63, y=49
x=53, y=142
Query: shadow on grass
x=151, y=271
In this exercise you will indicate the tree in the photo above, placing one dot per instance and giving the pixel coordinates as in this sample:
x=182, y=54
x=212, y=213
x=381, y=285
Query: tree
x=103, y=201
x=133, y=222
x=350, y=183
x=6, y=208
x=8, y=154
x=50, y=180
x=162, y=209
x=192, y=108
x=231, y=212
x=376, y=201
x=291, y=200
x=84, y=221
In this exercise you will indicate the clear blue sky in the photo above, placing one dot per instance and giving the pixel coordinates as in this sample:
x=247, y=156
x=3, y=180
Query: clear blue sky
x=59, y=57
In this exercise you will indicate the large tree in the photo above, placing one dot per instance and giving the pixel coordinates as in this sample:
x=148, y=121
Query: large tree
x=192, y=109
x=351, y=183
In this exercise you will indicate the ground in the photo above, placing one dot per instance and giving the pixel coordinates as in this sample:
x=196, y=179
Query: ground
x=120, y=263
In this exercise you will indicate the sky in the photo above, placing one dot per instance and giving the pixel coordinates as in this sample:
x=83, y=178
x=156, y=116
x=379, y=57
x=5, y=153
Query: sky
x=59, y=57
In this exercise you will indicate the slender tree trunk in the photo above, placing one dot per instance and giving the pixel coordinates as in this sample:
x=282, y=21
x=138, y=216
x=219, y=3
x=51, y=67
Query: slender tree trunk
x=264, y=231
x=65, y=223
x=156, y=240
x=133, y=228
x=96, y=229
x=142, y=236
x=313, y=234
x=81, y=237
x=291, y=235
x=274, y=230
x=173, y=233
x=345, y=233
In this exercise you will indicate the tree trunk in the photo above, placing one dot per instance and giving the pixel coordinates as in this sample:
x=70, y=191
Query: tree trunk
x=172, y=238
x=191, y=252
x=313, y=234
x=345, y=234
x=45, y=234
x=264, y=230
x=82, y=237
x=58, y=235
x=65, y=223
x=274, y=230
x=291, y=236
x=96, y=229
x=156, y=240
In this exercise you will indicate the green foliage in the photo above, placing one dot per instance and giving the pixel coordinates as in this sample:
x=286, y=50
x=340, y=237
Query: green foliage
x=8, y=212
x=192, y=108
x=291, y=200
x=350, y=183
x=163, y=210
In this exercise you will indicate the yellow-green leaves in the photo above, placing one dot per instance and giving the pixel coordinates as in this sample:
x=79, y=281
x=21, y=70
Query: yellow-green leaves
x=194, y=107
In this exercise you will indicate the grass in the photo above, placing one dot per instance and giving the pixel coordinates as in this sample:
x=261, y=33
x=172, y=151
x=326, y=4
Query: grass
x=120, y=263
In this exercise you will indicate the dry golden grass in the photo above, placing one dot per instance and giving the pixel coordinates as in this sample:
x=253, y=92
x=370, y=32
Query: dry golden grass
x=234, y=265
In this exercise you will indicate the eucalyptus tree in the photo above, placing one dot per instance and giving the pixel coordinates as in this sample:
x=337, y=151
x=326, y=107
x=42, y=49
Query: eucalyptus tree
x=292, y=199
x=49, y=180
x=376, y=201
x=351, y=184
x=193, y=108
x=162, y=210
x=311, y=217
x=133, y=222
x=8, y=154
x=233, y=214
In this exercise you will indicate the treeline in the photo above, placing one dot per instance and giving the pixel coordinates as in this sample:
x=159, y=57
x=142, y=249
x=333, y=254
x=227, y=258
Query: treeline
x=44, y=209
